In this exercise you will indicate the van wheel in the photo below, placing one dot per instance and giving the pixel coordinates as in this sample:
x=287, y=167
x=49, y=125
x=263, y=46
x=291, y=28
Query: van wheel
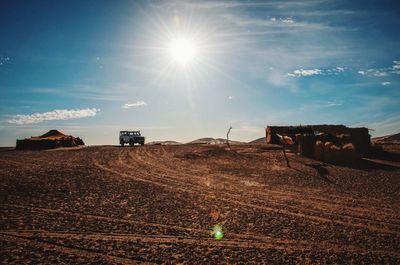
x=122, y=144
x=131, y=142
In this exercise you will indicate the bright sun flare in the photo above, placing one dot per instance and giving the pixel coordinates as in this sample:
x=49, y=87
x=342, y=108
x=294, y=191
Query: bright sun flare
x=183, y=50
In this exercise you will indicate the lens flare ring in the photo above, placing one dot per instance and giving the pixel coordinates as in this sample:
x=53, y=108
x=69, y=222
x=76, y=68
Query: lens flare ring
x=217, y=232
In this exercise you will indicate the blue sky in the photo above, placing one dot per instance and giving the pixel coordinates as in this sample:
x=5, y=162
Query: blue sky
x=92, y=68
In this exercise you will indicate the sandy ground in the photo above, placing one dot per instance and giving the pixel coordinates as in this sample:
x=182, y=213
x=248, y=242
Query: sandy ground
x=158, y=204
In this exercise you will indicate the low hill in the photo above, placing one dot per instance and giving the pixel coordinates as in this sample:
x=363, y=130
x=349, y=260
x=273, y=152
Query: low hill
x=209, y=140
x=261, y=140
x=392, y=137
x=164, y=143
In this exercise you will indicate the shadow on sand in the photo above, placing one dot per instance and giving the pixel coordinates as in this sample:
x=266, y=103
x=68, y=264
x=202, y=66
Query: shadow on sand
x=320, y=168
x=384, y=155
x=381, y=164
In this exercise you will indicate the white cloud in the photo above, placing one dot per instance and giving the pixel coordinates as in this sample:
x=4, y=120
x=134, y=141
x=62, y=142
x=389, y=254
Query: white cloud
x=58, y=114
x=133, y=105
x=377, y=73
x=4, y=60
x=288, y=20
x=334, y=104
x=304, y=72
x=235, y=4
x=230, y=97
x=309, y=72
x=333, y=71
x=386, y=83
x=374, y=72
x=381, y=72
x=273, y=25
x=396, y=67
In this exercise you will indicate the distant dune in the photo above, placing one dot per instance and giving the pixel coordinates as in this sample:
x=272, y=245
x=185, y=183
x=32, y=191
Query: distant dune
x=209, y=140
x=392, y=137
x=164, y=143
x=261, y=140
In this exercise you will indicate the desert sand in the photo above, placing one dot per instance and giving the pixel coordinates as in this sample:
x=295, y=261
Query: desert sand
x=158, y=204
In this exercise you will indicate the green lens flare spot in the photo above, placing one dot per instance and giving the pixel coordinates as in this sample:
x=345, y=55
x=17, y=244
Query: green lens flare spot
x=217, y=232
x=218, y=235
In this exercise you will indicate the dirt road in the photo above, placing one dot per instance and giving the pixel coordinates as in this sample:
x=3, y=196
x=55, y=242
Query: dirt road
x=158, y=204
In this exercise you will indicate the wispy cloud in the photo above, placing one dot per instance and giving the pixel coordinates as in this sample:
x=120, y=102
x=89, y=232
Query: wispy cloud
x=239, y=4
x=220, y=4
x=261, y=22
x=4, y=60
x=361, y=72
x=386, y=83
x=139, y=103
x=334, y=103
x=273, y=24
x=381, y=72
x=117, y=92
x=316, y=71
x=58, y=114
x=396, y=67
x=373, y=72
x=288, y=20
x=305, y=72
x=386, y=126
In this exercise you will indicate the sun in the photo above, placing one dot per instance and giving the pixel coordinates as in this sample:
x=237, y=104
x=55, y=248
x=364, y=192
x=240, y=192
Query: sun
x=183, y=50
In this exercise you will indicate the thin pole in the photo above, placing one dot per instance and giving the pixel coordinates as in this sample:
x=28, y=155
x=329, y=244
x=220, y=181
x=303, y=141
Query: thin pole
x=227, y=137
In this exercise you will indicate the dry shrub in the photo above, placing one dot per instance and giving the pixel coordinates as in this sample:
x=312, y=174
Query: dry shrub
x=319, y=151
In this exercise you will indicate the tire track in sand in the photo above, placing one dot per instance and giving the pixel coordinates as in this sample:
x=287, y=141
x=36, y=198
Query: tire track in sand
x=64, y=249
x=298, y=195
x=232, y=200
x=286, y=245
x=295, y=209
